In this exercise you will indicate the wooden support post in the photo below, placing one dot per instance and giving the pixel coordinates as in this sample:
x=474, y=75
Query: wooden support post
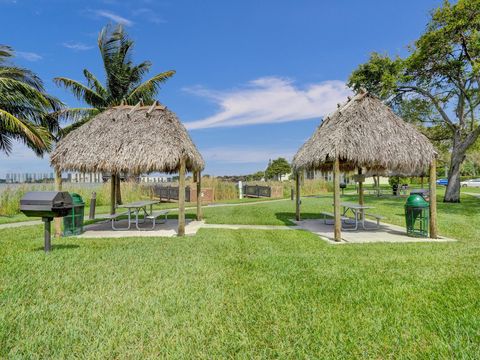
x=297, y=196
x=181, y=199
x=93, y=204
x=118, y=190
x=360, y=187
x=336, y=200
x=433, y=200
x=58, y=187
x=378, y=185
x=199, y=196
x=112, y=194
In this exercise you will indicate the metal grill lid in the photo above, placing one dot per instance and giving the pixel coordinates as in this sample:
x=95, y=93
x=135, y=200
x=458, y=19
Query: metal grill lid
x=52, y=199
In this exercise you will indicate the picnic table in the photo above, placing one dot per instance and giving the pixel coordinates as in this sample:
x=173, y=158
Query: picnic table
x=136, y=207
x=358, y=212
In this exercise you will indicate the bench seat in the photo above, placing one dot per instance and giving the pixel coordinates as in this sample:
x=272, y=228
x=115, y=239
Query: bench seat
x=332, y=215
x=156, y=214
x=377, y=217
x=114, y=217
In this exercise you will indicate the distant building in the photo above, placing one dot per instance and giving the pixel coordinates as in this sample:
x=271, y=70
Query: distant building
x=282, y=177
x=155, y=179
x=18, y=178
x=85, y=177
x=346, y=178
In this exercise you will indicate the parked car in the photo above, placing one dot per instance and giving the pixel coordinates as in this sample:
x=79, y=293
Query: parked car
x=470, y=183
x=443, y=182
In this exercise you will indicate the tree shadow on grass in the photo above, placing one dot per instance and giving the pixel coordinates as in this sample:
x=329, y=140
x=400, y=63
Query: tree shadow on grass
x=287, y=217
x=59, y=247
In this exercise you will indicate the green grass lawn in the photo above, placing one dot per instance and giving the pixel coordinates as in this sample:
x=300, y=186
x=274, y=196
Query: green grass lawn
x=475, y=190
x=245, y=293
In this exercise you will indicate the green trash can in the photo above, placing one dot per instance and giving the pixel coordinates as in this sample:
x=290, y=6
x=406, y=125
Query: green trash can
x=73, y=222
x=417, y=216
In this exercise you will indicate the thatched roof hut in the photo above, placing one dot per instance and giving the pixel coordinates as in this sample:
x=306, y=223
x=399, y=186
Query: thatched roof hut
x=365, y=133
x=132, y=139
x=129, y=139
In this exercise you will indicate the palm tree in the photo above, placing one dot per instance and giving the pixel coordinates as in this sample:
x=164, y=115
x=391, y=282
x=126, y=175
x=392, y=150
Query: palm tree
x=123, y=83
x=24, y=107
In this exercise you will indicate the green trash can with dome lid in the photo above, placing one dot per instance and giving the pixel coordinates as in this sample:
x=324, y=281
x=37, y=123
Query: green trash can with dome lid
x=73, y=222
x=417, y=219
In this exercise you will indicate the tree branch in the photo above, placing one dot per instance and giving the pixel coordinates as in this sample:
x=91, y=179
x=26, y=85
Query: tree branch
x=435, y=102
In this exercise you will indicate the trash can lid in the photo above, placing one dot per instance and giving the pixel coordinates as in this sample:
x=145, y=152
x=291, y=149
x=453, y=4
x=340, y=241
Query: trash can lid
x=77, y=199
x=416, y=200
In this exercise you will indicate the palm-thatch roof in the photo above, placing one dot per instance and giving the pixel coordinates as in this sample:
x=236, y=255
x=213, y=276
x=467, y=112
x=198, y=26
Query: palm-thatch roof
x=130, y=139
x=365, y=133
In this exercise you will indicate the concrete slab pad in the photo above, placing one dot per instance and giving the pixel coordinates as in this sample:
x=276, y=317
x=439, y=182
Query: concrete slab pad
x=251, y=227
x=386, y=233
x=104, y=229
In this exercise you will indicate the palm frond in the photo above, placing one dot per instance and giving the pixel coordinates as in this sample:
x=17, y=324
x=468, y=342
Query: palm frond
x=12, y=88
x=23, y=75
x=149, y=88
x=67, y=129
x=5, y=52
x=81, y=91
x=36, y=137
x=75, y=115
x=94, y=83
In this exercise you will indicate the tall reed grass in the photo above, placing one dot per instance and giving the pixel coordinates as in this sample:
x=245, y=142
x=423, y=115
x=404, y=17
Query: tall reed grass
x=10, y=196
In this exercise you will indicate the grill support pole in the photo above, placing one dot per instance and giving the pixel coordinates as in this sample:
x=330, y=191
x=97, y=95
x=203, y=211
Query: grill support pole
x=47, y=233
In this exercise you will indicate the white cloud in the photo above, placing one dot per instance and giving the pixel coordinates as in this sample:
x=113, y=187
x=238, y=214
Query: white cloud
x=246, y=155
x=114, y=17
x=149, y=15
x=77, y=46
x=270, y=100
x=29, y=56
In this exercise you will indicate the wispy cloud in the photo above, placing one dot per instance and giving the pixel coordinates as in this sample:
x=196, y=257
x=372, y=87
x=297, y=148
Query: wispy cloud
x=112, y=16
x=270, y=100
x=245, y=155
x=29, y=56
x=77, y=46
x=149, y=15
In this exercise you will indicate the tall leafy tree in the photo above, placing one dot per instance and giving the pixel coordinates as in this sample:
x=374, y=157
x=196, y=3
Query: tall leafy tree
x=277, y=168
x=124, y=82
x=24, y=107
x=442, y=73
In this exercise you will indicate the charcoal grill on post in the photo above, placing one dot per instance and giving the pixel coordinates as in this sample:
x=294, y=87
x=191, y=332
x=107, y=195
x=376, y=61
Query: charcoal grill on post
x=47, y=205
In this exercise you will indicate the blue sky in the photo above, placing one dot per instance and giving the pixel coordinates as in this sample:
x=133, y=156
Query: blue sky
x=254, y=78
